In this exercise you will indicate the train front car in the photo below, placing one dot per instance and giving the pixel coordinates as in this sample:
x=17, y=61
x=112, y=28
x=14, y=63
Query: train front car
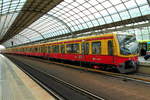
x=127, y=60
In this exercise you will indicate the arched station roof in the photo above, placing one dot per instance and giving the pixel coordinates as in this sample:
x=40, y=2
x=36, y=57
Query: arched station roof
x=72, y=18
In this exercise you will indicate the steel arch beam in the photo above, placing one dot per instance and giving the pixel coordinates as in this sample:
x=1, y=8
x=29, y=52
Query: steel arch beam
x=37, y=32
x=49, y=15
x=61, y=21
x=25, y=37
x=34, y=31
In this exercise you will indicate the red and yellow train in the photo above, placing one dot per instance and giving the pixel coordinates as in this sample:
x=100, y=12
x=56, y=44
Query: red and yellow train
x=108, y=51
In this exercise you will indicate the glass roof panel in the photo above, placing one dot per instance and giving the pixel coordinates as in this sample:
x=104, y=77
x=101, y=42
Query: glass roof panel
x=106, y=4
x=130, y=4
x=115, y=2
x=135, y=12
x=75, y=15
x=8, y=14
x=46, y=26
x=116, y=17
x=125, y=15
x=145, y=9
x=141, y=2
x=120, y=7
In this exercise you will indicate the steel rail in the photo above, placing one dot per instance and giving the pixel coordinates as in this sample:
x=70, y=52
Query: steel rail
x=41, y=84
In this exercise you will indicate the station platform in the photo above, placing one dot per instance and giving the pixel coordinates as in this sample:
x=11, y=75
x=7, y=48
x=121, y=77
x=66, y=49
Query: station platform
x=16, y=85
x=144, y=65
x=144, y=62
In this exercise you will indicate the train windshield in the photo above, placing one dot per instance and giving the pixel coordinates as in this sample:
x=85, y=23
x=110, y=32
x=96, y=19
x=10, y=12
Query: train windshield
x=128, y=44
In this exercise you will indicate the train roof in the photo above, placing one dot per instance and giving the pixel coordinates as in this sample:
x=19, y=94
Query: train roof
x=73, y=39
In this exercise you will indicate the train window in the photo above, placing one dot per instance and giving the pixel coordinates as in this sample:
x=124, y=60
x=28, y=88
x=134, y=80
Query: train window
x=85, y=48
x=69, y=48
x=110, y=47
x=96, y=47
x=62, y=47
x=72, y=48
x=55, y=49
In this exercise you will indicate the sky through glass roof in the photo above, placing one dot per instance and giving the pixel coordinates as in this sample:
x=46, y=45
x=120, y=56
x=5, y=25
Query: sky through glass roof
x=74, y=15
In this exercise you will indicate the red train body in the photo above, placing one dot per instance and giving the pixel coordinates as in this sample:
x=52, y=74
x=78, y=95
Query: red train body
x=109, y=51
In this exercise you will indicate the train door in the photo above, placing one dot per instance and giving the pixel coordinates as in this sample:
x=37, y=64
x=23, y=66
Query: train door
x=85, y=50
x=110, y=51
x=44, y=50
x=62, y=50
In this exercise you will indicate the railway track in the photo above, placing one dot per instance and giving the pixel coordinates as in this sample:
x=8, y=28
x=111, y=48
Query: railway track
x=143, y=78
x=60, y=89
